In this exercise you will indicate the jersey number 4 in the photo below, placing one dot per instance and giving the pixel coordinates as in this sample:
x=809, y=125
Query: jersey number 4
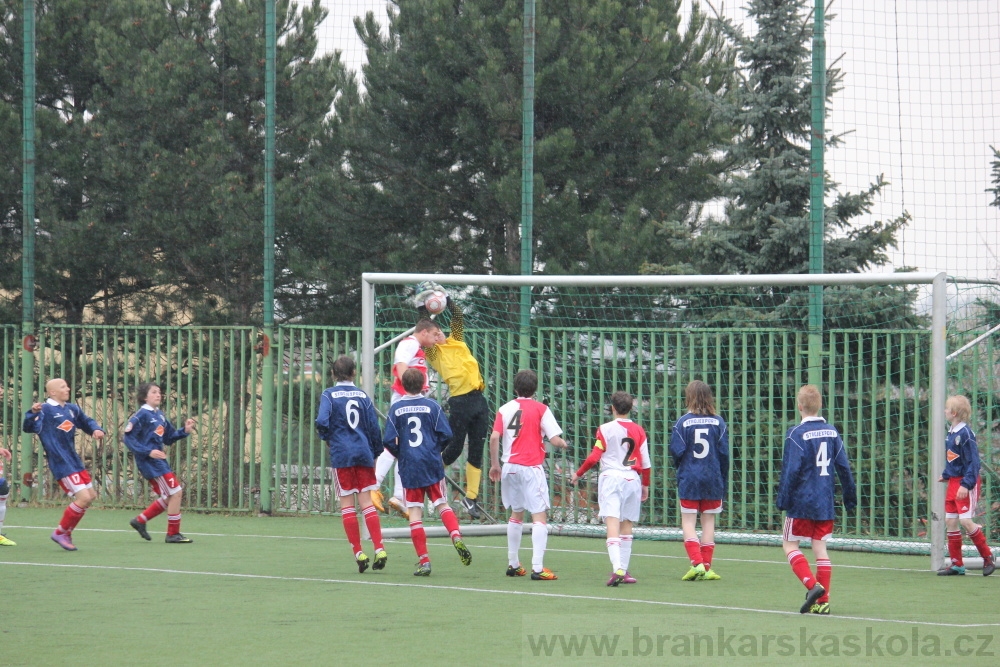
x=515, y=424
x=823, y=460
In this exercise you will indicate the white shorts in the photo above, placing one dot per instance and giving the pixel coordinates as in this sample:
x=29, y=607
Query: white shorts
x=524, y=488
x=619, y=495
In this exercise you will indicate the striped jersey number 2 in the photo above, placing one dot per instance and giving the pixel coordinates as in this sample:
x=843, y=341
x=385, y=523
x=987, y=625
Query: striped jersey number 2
x=823, y=460
x=629, y=459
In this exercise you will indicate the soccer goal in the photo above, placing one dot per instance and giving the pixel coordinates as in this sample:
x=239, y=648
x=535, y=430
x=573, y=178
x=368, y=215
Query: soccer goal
x=883, y=380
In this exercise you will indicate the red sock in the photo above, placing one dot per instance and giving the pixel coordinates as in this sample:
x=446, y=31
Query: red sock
x=450, y=522
x=374, y=527
x=173, y=524
x=693, y=547
x=153, y=511
x=800, y=566
x=707, y=550
x=955, y=547
x=979, y=539
x=419, y=538
x=349, y=516
x=824, y=571
x=71, y=516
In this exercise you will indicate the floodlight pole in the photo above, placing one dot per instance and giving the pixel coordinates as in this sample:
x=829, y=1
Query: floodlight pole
x=816, y=192
x=937, y=426
x=28, y=238
x=527, y=179
x=267, y=391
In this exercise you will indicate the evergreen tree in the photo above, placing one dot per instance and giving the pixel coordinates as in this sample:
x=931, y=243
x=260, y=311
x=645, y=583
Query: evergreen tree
x=766, y=224
x=626, y=141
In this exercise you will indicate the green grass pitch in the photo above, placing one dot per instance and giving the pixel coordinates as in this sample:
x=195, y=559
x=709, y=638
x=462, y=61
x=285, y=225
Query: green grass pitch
x=286, y=591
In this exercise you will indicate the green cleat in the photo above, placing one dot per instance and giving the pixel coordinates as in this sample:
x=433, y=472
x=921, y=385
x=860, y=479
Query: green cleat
x=463, y=551
x=423, y=570
x=821, y=608
x=363, y=562
x=710, y=575
x=951, y=571
x=380, y=558
x=696, y=572
x=7, y=542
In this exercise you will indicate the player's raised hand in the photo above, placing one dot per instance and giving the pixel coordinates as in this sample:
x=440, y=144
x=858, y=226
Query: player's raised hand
x=36, y=407
x=189, y=425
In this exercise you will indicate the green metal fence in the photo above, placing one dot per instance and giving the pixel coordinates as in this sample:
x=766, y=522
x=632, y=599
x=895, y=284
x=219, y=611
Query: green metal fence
x=875, y=390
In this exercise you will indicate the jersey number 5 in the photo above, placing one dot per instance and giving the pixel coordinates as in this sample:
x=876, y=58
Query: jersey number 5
x=823, y=460
x=699, y=439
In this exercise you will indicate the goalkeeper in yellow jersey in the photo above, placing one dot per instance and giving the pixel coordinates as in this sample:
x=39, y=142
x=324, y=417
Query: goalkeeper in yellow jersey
x=468, y=413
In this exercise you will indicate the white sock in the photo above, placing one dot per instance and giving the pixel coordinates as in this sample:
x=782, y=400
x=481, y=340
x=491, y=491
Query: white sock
x=382, y=465
x=626, y=549
x=397, y=489
x=3, y=510
x=514, y=530
x=539, y=538
x=615, y=553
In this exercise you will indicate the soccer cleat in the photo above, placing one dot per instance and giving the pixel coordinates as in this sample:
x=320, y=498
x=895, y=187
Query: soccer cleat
x=710, y=575
x=815, y=593
x=472, y=507
x=140, y=528
x=398, y=505
x=380, y=558
x=63, y=540
x=545, y=575
x=821, y=608
x=178, y=538
x=617, y=577
x=952, y=571
x=518, y=571
x=7, y=542
x=377, y=500
x=629, y=579
x=423, y=570
x=363, y=562
x=463, y=551
x=696, y=572
x=989, y=565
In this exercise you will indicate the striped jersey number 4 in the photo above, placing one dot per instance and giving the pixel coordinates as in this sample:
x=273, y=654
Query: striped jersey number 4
x=823, y=459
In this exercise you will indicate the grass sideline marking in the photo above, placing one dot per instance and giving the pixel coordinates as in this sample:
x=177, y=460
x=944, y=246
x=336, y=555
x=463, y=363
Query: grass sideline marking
x=483, y=546
x=467, y=589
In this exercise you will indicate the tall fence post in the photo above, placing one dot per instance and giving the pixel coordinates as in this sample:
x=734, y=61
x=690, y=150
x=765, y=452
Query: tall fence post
x=28, y=233
x=816, y=193
x=527, y=178
x=935, y=463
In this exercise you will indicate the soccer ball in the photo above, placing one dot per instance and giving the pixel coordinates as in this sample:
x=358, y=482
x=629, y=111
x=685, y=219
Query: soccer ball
x=436, y=302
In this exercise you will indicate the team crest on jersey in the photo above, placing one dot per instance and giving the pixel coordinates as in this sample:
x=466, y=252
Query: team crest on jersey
x=159, y=430
x=66, y=426
x=952, y=456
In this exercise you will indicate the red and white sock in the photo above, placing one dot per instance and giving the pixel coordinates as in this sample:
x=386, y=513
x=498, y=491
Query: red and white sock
x=153, y=511
x=707, y=549
x=800, y=566
x=71, y=516
x=693, y=548
x=626, y=549
x=514, y=531
x=824, y=572
x=349, y=516
x=419, y=538
x=955, y=547
x=450, y=522
x=615, y=552
x=979, y=539
x=374, y=527
x=173, y=524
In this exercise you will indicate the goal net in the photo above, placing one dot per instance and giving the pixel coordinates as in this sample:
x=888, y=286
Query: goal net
x=881, y=373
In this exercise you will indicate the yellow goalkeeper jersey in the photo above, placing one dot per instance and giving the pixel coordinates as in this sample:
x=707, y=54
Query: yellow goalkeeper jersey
x=453, y=360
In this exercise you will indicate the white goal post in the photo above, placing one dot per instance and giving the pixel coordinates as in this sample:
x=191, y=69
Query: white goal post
x=939, y=296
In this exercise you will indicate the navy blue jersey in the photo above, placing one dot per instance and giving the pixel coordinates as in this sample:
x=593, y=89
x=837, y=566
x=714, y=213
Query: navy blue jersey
x=55, y=425
x=806, y=487
x=699, y=447
x=961, y=455
x=348, y=423
x=149, y=429
x=416, y=431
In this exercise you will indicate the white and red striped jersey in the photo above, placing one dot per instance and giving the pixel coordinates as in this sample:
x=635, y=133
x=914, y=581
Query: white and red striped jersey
x=410, y=353
x=621, y=445
x=522, y=423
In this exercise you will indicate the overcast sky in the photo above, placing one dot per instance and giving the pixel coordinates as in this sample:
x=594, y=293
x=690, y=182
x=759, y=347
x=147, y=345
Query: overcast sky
x=922, y=100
